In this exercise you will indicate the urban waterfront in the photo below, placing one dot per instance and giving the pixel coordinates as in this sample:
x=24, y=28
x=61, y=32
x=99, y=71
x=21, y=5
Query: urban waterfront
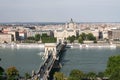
x=87, y=60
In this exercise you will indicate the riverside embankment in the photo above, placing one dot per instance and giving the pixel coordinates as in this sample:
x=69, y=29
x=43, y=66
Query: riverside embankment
x=22, y=45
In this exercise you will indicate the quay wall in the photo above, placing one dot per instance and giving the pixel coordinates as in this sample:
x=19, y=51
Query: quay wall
x=22, y=45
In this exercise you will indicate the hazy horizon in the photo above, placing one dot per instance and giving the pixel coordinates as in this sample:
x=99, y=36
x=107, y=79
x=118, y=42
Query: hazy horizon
x=59, y=11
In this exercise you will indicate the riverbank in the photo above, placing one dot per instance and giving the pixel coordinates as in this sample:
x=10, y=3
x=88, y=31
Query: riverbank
x=22, y=45
x=73, y=45
x=99, y=45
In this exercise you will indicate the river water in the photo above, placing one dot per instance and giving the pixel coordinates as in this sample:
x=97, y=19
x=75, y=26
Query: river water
x=26, y=60
x=87, y=60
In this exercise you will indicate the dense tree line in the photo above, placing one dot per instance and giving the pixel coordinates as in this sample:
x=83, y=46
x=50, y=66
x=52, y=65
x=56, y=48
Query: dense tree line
x=76, y=74
x=88, y=36
x=44, y=38
x=71, y=38
x=82, y=37
x=12, y=73
x=47, y=39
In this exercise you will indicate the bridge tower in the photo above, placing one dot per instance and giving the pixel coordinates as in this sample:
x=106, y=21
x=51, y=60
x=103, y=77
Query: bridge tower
x=50, y=49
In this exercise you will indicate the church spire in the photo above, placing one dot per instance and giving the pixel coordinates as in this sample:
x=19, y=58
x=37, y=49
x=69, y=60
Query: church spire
x=71, y=21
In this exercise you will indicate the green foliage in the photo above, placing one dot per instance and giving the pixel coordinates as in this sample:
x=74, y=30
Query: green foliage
x=91, y=75
x=44, y=35
x=1, y=70
x=90, y=36
x=101, y=74
x=75, y=74
x=27, y=76
x=80, y=40
x=48, y=40
x=58, y=76
x=115, y=75
x=112, y=64
x=71, y=38
x=37, y=37
x=83, y=36
x=72, y=78
x=1, y=73
x=12, y=73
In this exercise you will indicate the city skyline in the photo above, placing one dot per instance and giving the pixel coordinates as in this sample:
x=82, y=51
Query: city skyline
x=59, y=11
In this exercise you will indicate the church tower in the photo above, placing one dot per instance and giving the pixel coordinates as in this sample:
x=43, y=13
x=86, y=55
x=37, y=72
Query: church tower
x=71, y=25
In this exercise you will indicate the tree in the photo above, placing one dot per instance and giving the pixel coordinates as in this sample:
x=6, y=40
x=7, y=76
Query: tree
x=1, y=70
x=90, y=36
x=112, y=65
x=76, y=74
x=48, y=40
x=91, y=75
x=58, y=76
x=100, y=74
x=80, y=40
x=27, y=76
x=44, y=35
x=37, y=37
x=1, y=73
x=71, y=38
x=12, y=73
x=83, y=36
x=115, y=75
x=72, y=78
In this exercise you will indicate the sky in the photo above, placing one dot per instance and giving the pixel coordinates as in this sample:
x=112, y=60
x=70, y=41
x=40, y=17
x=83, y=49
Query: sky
x=59, y=10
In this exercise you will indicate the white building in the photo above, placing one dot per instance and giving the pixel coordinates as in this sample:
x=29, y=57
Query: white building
x=70, y=29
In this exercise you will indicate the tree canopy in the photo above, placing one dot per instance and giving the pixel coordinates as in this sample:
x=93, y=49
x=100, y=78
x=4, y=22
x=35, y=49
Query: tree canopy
x=71, y=38
x=115, y=75
x=37, y=37
x=58, y=76
x=113, y=68
x=75, y=74
x=85, y=36
x=1, y=70
x=112, y=64
x=90, y=36
x=80, y=40
x=12, y=73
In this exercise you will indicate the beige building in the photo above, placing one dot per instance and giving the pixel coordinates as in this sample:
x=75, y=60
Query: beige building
x=15, y=34
x=6, y=38
x=70, y=29
x=115, y=34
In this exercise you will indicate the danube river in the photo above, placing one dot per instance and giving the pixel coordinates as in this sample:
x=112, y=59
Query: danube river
x=87, y=60
x=26, y=60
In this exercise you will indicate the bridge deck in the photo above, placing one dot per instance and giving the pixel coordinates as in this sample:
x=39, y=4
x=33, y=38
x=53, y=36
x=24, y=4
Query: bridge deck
x=46, y=67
